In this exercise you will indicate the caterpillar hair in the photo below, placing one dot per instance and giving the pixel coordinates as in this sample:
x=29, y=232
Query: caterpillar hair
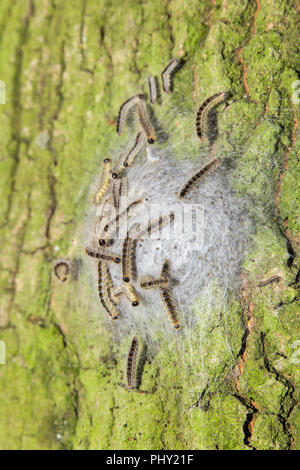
x=124, y=109
x=104, y=181
x=131, y=294
x=120, y=216
x=150, y=283
x=166, y=75
x=116, y=294
x=131, y=363
x=103, y=290
x=103, y=255
x=152, y=89
x=205, y=108
x=61, y=269
x=146, y=122
x=138, y=145
x=200, y=174
x=165, y=269
x=169, y=307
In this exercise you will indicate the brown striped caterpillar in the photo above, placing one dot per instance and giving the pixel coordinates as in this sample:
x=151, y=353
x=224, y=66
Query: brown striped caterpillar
x=138, y=145
x=152, y=89
x=104, y=181
x=103, y=255
x=120, y=216
x=170, y=308
x=270, y=281
x=131, y=363
x=165, y=269
x=145, y=122
x=131, y=294
x=200, y=174
x=204, y=110
x=128, y=258
x=124, y=109
x=150, y=283
x=104, y=286
x=166, y=75
x=61, y=269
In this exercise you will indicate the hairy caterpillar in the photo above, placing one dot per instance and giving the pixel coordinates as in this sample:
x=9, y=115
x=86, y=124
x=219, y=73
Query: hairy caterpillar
x=165, y=269
x=131, y=294
x=104, y=181
x=61, y=269
x=124, y=109
x=152, y=89
x=127, y=258
x=150, y=283
x=203, y=172
x=166, y=75
x=145, y=122
x=138, y=145
x=131, y=363
x=103, y=255
x=169, y=307
x=205, y=108
x=121, y=215
x=270, y=281
x=103, y=290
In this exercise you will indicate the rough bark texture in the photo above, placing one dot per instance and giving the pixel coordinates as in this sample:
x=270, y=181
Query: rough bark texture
x=67, y=66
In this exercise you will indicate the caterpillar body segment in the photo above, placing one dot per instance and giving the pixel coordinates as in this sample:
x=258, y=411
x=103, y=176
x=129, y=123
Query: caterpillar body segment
x=103, y=255
x=124, y=109
x=105, y=180
x=138, y=145
x=103, y=291
x=167, y=73
x=131, y=294
x=165, y=269
x=150, y=283
x=170, y=308
x=199, y=175
x=128, y=258
x=61, y=269
x=204, y=110
x=145, y=122
x=152, y=89
x=131, y=363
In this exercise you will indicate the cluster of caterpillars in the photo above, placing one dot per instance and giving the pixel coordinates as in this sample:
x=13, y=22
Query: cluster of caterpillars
x=114, y=185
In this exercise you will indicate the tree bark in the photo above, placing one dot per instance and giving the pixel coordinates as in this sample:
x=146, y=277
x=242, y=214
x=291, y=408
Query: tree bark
x=67, y=67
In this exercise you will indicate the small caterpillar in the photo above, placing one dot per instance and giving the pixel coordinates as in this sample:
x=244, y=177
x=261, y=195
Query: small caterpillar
x=103, y=290
x=102, y=255
x=203, y=172
x=150, y=283
x=270, y=281
x=124, y=109
x=138, y=145
x=131, y=363
x=169, y=307
x=121, y=215
x=152, y=89
x=145, y=122
x=166, y=75
x=205, y=108
x=64, y=266
x=131, y=294
x=104, y=181
x=165, y=269
x=127, y=258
